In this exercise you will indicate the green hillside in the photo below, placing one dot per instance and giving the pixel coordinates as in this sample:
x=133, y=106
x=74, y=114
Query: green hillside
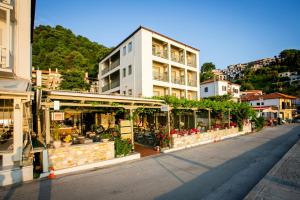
x=267, y=78
x=58, y=47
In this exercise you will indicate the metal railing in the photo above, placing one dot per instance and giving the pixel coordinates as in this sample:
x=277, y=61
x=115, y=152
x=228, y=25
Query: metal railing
x=105, y=70
x=192, y=83
x=160, y=76
x=115, y=64
x=105, y=88
x=178, y=80
x=160, y=53
x=3, y=58
x=114, y=84
x=179, y=59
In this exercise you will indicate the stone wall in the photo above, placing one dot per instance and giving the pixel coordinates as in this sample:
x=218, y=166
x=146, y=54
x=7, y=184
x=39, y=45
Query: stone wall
x=178, y=141
x=81, y=154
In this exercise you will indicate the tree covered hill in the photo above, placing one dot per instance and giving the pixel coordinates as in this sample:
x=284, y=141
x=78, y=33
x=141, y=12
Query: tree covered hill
x=267, y=78
x=58, y=47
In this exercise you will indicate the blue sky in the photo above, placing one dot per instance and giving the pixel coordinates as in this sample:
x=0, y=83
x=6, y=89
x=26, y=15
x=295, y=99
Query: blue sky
x=226, y=31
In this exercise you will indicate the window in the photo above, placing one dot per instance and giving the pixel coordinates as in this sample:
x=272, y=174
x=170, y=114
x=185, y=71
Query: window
x=130, y=92
x=124, y=72
x=6, y=124
x=206, y=89
x=124, y=50
x=262, y=103
x=129, y=47
x=124, y=92
x=258, y=104
x=129, y=70
x=235, y=90
x=223, y=88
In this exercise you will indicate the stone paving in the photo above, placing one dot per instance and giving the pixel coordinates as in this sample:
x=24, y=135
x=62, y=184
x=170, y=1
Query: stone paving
x=282, y=181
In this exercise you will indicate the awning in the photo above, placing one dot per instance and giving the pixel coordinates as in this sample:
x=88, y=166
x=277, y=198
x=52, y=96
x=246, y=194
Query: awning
x=15, y=85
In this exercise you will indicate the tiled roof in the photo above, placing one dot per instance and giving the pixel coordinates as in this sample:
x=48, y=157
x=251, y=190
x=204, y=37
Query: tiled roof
x=276, y=95
x=211, y=81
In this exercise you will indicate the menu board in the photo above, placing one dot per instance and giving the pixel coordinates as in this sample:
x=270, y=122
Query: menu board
x=126, y=129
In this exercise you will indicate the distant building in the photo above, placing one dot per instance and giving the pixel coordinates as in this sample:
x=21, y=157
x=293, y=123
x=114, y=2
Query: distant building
x=236, y=71
x=284, y=103
x=50, y=79
x=218, y=88
x=147, y=64
x=294, y=78
x=219, y=74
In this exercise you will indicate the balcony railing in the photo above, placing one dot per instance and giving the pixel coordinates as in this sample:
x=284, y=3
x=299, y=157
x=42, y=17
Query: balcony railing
x=110, y=86
x=105, y=70
x=160, y=76
x=191, y=63
x=192, y=83
x=178, y=80
x=105, y=88
x=160, y=53
x=114, y=84
x=179, y=59
x=115, y=64
x=3, y=60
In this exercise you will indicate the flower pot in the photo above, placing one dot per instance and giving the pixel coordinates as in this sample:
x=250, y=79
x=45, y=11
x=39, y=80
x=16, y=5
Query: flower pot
x=67, y=144
x=57, y=144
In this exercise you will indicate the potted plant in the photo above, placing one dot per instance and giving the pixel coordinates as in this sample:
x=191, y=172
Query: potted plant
x=67, y=140
x=56, y=137
x=106, y=137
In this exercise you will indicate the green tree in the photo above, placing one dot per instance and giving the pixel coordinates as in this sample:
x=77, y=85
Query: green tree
x=207, y=67
x=73, y=80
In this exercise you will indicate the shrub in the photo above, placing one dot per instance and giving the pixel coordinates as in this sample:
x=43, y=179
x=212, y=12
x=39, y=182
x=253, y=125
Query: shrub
x=122, y=147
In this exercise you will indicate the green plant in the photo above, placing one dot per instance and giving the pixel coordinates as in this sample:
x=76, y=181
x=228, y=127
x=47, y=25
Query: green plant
x=106, y=136
x=122, y=147
x=259, y=123
x=56, y=136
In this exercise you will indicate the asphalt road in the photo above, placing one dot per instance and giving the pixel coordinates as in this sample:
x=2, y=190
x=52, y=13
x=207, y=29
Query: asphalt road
x=223, y=170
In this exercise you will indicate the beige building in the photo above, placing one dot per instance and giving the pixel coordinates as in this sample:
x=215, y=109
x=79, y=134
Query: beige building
x=50, y=79
x=16, y=23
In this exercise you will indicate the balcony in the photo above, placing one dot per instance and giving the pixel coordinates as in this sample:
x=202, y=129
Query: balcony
x=191, y=59
x=192, y=95
x=160, y=91
x=178, y=80
x=3, y=63
x=160, y=71
x=178, y=93
x=160, y=76
x=192, y=83
x=177, y=54
x=114, y=64
x=110, y=63
x=159, y=48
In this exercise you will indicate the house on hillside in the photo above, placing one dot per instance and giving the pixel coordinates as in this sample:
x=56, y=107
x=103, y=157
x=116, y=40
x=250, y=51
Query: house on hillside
x=282, y=102
x=16, y=25
x=50, y=79
x=147, y=64
x=211, y=88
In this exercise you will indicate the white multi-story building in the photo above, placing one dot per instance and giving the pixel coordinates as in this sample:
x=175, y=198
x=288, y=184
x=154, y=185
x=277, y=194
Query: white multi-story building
x=16, y=23
x=218, y=88
x=148, y=64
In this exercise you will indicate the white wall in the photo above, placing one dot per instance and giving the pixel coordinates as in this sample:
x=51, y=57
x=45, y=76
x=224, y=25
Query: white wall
x=267, y=102
x=22, y=46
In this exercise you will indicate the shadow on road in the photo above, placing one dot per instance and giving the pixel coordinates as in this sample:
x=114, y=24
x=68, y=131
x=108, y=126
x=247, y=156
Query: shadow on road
x=243, y=172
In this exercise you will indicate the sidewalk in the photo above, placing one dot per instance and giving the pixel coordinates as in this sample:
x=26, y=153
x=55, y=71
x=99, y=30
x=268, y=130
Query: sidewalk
x=282, y=181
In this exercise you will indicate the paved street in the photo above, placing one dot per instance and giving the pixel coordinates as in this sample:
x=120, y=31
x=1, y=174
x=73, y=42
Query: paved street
x=223, y=170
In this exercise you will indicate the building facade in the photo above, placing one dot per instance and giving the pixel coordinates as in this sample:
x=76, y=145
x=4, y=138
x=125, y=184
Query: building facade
x=212, y=88
x=284, y=103
x=148, y=64
x=16, y=23
x=50, y=79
